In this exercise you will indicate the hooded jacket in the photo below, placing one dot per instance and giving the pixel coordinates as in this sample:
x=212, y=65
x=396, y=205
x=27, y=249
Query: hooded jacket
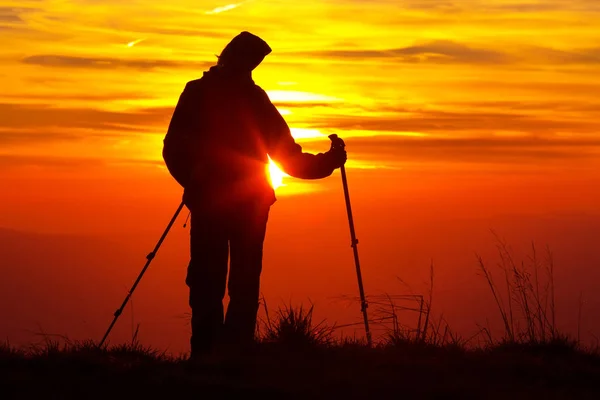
x=230, y=128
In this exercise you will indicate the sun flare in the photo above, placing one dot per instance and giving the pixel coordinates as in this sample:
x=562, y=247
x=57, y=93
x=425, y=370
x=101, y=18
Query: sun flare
x=276, y=175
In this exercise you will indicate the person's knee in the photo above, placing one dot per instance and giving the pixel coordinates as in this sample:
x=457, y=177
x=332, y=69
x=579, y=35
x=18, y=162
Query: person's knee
x=204, y=295
x=204, y=277
x=207, y=275
x=247, y=291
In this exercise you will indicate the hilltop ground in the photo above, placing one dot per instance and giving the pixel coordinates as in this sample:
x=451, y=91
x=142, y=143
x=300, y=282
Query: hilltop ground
x=298, y=359
x=301, y=367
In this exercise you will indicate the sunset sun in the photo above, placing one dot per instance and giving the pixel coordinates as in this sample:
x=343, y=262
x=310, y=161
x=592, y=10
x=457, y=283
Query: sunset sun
x=275, y=174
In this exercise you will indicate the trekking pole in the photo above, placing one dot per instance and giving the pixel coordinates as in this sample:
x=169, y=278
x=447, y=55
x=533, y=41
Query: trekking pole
x=149, y=259
x=337, y=142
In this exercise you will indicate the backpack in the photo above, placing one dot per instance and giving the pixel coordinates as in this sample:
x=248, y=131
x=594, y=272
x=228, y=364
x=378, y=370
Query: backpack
x=183, y=130
x=176, y=158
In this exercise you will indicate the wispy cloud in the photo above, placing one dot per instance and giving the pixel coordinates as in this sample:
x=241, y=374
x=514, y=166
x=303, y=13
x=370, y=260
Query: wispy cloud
x=438, y=51
x=10, y=14
x=10, y=137
x=457, y=123
x=8, y=161
x=507, y=151
x=518, y=6
x=135, y=42
x=46, y=98
x=227, y=7
x=307, y=104
x=188, y=31
x=554, y=56
x=63, y=61
x=447, y=52
x=45, y=118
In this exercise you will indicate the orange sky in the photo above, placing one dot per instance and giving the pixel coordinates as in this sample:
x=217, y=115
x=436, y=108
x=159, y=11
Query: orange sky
x=459, y=116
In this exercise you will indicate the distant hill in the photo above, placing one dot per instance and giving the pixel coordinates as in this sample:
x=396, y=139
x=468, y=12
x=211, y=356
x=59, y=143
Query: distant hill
x=59, y=281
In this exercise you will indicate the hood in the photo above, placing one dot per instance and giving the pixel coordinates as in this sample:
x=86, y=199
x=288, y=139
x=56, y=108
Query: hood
x=244, y=53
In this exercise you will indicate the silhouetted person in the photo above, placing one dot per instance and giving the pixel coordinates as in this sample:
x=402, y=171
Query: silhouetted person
x=220, y=134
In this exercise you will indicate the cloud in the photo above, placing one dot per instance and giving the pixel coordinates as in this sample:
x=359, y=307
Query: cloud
x=8, y=137
x=304, y=104
x=15, y=161
x=522, y=6
x=449, y=52
x=565, y=90
x=178, y=31
x=52, y=60
x=48, y=98
x=557, y=56
x=224, y=8
x=546, y=5
x=436, y=121
x=531, y=105
x=442, y=51
x=10, y=14
x=31, y=117
x=432, y=5
x=525, y=7
x=475, y=150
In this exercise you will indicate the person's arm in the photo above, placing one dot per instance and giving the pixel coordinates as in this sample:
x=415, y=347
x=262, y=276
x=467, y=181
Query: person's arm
x=288, y=154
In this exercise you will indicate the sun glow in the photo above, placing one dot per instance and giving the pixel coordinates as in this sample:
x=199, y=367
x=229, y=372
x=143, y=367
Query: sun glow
x=305, y=133
x=276, y=175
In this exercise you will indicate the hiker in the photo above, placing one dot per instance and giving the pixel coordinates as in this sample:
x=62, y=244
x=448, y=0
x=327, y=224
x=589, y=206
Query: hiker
x=221, y=133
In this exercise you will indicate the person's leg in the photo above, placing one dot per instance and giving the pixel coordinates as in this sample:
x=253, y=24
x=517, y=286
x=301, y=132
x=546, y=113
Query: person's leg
x=206, y=278
x=247, y=238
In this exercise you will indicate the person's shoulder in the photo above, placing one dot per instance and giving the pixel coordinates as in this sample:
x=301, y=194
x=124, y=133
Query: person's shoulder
x=260, y=92
x=258, y=89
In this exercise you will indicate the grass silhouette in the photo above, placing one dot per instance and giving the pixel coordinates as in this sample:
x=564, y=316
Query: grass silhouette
x=298, y=360
x=297, y=357
x=294, y=329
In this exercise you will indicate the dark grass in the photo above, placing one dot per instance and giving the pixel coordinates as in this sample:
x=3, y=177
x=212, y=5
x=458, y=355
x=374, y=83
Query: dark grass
x=302, y=360
x=298, y=358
